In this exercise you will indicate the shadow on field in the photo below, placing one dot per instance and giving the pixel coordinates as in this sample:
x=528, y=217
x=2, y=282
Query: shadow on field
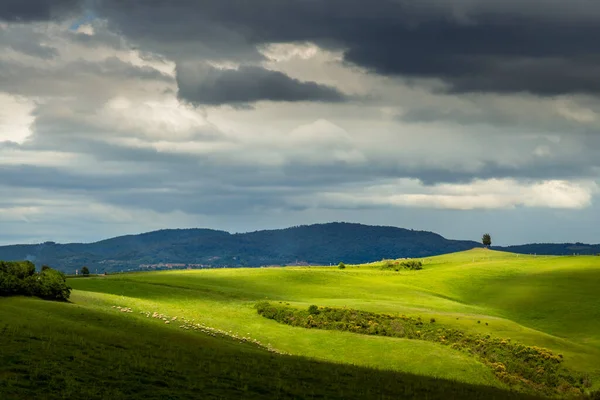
x=53, y=350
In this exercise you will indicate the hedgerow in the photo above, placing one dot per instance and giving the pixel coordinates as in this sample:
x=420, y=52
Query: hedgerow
x=529, y=368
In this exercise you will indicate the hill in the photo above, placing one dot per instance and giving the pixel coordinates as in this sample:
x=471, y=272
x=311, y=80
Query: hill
x=88, y=351
x=322, y=244
x=557, y=249
x=473, y=324
x=314, y=244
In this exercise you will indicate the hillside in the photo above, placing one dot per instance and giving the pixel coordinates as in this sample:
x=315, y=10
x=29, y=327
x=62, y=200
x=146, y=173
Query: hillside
x=473, y=324
x=93, y=351
x=315, y=244
x=526, y=306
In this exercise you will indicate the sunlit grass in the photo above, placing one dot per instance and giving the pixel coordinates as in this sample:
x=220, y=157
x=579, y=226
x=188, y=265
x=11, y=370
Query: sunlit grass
x=87, y=350
x=537, y=300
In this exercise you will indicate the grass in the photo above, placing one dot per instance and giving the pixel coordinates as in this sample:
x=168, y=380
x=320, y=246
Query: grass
x=549, y=302
x=65, y=351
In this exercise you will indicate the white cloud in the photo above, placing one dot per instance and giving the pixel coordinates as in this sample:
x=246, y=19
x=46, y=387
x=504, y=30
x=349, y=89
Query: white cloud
x=481, y=194
x=279, y=52
x=15, y=118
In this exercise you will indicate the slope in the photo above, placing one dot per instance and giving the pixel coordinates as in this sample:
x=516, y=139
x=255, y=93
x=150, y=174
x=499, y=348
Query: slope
x=479, y=291
x=59, y=350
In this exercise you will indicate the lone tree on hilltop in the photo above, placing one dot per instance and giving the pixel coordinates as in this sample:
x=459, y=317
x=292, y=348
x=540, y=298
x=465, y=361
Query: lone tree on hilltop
x=342, y=265
x=486, y=240
x=85, y=271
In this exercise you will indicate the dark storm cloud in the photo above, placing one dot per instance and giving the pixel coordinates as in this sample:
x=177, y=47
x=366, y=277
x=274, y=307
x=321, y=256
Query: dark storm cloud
x=22, y=39
x=248, y=84
x=37, y=10
x=473, y=47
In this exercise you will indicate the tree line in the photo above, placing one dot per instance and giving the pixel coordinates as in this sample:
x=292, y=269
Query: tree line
x=20, y=278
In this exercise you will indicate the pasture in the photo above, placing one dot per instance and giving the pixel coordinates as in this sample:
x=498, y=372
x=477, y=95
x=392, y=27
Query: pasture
x=550, y=302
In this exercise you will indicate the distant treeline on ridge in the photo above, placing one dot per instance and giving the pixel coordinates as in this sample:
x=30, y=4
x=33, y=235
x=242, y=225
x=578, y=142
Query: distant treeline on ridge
x=323, y=244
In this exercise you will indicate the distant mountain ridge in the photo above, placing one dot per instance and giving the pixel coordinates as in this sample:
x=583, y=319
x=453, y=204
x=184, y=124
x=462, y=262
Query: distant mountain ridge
x=557, y=249
x=308, y=244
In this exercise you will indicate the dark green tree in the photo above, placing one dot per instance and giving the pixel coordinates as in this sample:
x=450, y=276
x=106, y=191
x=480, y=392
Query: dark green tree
x=341, y=265
x=486, y=240
x=52, y=285
x=20, y=278
x=85, y=271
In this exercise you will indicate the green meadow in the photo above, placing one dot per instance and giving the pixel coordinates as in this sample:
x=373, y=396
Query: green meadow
x=549, y=302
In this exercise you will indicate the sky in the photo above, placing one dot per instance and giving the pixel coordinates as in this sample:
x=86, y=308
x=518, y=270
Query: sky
x=455, y=116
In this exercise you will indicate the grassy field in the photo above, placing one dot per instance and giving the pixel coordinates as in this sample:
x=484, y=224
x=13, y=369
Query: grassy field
x=549, y=302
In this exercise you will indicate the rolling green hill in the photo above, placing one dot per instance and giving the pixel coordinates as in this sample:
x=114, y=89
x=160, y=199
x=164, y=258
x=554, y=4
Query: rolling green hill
x=544, y=301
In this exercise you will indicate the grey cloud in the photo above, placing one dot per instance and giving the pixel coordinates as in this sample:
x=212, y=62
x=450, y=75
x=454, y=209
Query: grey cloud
x=21, y=38
x=248, y=84
x=37, y=10
x=57, y=179
x=67, y=79
x=472, y=47
x=31, y=48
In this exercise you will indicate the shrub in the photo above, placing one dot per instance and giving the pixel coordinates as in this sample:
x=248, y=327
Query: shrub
x=342, y=265
x=413, y=265
x=531, y=368
x=432, y=320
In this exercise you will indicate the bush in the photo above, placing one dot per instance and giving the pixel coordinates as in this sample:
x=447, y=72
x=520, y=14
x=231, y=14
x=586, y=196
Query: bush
x=313, y=310
x=529, y=367
x=412, y=265
x=342, y=265
x=20, y=278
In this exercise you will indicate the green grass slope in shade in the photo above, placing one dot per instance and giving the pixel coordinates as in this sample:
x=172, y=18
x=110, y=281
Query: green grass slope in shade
x=59, y=350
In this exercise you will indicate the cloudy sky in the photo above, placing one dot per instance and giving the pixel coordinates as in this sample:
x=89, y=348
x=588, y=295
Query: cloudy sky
x=456, y=116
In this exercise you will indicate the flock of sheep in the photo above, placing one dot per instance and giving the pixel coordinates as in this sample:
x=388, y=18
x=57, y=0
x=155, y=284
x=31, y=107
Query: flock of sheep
x=192, y=325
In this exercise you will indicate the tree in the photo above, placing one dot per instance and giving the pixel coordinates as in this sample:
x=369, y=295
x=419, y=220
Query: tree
x=341, y=265
x=52, y=285
x=85, y=271
x=45, y=267
x=20, y=278
x=486, y=240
